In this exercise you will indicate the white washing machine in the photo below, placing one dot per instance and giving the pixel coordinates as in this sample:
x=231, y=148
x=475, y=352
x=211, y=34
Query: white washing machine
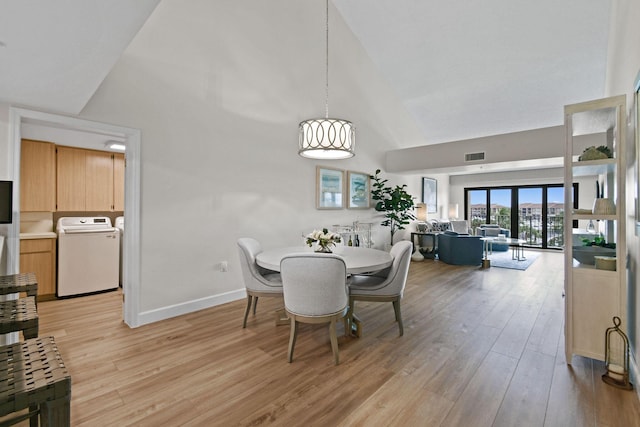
x=88, y=255
x=120, y=226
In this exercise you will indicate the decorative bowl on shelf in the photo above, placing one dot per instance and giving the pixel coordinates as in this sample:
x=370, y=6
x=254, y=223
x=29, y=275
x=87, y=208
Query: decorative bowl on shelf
x=605, y=263
x=596, y=153
x=586, y=254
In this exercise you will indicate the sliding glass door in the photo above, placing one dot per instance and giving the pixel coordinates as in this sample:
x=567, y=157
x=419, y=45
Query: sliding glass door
x=476, y=207
x=501, y=208
x=555, y=217
x=530, y=219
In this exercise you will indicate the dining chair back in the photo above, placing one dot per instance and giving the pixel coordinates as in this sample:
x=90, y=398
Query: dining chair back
x=315, y=291
x=259, y=282
x=384, y=289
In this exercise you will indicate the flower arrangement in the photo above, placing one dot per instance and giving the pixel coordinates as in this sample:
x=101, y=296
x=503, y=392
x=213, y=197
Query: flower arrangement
x=324, y=240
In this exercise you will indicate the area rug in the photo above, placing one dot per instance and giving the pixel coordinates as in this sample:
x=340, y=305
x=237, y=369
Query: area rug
x=503, y=260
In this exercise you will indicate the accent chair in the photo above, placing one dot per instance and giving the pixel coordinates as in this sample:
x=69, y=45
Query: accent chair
x=258, y=281
x=460, y=249
x=315, y=291
x=386, y=286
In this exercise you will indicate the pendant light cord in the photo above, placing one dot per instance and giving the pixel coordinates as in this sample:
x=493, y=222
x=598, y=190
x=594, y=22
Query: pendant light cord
x=326, y=101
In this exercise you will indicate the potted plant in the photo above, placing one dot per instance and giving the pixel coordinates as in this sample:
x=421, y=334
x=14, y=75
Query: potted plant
x=598, y=241
x=395, y=202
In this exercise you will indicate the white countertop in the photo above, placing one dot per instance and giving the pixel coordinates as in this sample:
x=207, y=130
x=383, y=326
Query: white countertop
x=42, y=235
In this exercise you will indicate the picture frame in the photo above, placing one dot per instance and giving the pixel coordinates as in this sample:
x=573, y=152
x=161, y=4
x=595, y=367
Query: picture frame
x=329, y=188
x=358, y=190
x=430, y=194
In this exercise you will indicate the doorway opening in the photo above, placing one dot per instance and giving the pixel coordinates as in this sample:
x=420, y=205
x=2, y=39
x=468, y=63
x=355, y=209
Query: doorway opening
x=19, y=119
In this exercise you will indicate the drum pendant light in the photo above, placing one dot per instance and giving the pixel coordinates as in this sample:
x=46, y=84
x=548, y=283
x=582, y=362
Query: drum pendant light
x=326, y=138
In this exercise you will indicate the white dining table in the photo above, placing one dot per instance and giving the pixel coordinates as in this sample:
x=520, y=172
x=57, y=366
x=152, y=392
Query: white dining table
x=358, y=260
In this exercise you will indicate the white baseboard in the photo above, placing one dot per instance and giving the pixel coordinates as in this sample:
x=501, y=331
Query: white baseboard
x=168, y=312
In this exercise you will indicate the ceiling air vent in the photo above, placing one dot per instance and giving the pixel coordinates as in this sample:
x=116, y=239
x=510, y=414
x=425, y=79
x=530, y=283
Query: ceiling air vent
x=473, y=157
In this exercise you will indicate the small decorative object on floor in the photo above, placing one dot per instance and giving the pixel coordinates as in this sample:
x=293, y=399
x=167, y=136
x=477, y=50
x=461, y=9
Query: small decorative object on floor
x=417, y=255
x=616, y=357
x=323, y=240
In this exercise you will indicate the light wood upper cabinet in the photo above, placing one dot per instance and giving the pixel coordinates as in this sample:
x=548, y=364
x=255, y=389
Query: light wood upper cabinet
x=99, y=181
x=118, y=181
x=89, y=180
x=37, y=176
x=71, y=174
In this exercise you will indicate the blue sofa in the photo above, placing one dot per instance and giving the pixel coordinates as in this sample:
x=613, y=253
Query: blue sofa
x=460, y=249
x=493, y=230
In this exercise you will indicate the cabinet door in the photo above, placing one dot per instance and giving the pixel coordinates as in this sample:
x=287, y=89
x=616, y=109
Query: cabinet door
x=38, y=256
x=37, y=176
x=118, y=181
x=99, y=181
x=71, y=179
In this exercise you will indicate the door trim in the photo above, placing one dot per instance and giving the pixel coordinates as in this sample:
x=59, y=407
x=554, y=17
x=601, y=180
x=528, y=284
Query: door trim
x=131, y=136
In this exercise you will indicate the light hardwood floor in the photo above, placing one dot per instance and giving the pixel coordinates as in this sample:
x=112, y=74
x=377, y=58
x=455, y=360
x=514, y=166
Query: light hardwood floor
x=480, y=348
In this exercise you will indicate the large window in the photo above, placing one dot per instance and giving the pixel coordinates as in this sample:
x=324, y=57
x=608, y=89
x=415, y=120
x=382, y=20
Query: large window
x=533, y=213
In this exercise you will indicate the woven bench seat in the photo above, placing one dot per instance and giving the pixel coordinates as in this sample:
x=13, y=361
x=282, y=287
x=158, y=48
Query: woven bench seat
x=19, y=315
x=21, y=282
x=33, y=376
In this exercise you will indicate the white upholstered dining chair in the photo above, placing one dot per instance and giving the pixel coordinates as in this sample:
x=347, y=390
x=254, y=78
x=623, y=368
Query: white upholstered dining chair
x=386, y=287
x=259, y=282
x=315, y=291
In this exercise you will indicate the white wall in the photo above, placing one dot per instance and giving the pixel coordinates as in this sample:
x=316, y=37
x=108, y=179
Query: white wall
x=218, y=89
x=505, y=152
x=622, y=68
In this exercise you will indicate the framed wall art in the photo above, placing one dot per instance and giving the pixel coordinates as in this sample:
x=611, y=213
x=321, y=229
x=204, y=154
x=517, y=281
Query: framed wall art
x=358, y=190
x=329, y=188
x=430, y=194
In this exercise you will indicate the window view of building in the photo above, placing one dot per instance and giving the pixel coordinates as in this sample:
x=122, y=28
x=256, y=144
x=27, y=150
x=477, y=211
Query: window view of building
x=534, y=214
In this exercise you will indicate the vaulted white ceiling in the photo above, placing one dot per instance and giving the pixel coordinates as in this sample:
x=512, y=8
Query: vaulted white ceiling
x=462, y=69
x=467, y=69
x=55, y=54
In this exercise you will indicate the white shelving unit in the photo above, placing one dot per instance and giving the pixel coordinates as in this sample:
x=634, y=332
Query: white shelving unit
x=594, y=296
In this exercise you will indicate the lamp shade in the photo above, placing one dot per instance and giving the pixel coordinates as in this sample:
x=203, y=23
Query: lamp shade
x=421, y=212
x=453, y=211
x=326, y=139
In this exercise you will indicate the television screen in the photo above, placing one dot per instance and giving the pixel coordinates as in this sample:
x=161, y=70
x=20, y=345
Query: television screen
x=6, y=202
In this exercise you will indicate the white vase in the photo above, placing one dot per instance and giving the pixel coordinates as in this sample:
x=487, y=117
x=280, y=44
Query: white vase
x=417, y=256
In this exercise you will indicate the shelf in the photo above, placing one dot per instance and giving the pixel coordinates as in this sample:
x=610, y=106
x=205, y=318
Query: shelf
x=595, y=217
x=592, y=295
x=592, y=270
x=593, y=167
